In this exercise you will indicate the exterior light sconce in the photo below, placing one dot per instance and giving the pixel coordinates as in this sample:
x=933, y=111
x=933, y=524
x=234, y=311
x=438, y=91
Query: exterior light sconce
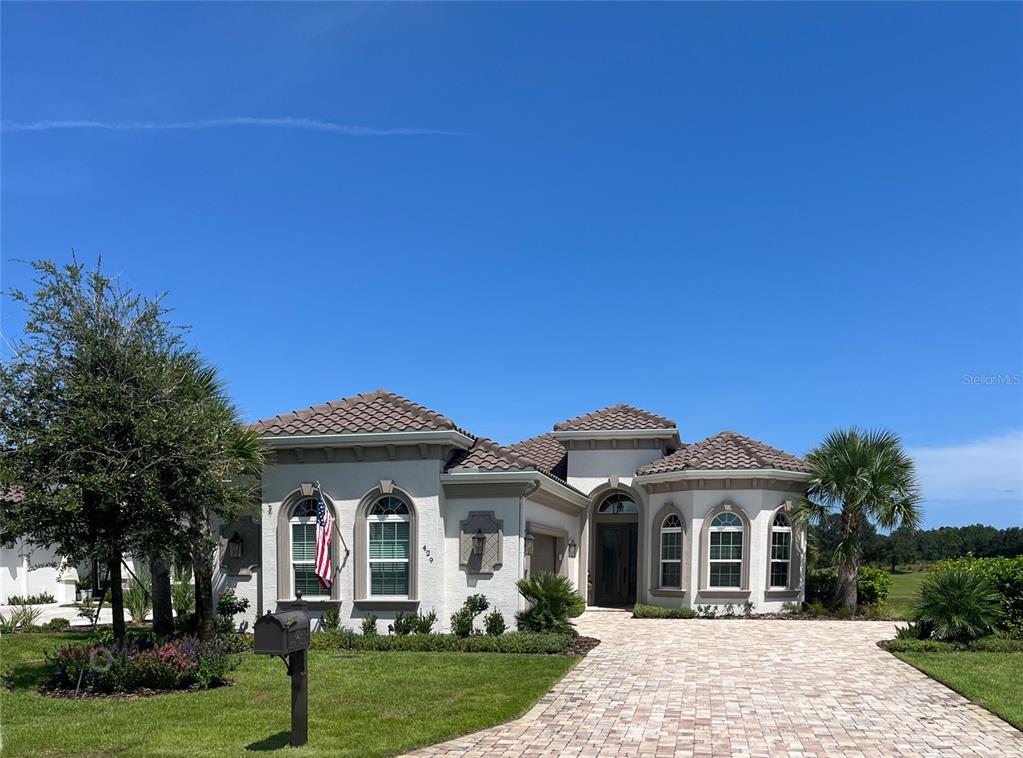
x=479, y=542
x=572, y=547
x=234, y=546
x=528, y=543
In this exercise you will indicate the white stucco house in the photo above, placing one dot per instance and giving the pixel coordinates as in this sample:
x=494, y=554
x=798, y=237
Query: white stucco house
x=613, y=500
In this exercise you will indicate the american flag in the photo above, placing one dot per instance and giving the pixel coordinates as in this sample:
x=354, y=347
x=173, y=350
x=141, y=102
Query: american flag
x=324, y=530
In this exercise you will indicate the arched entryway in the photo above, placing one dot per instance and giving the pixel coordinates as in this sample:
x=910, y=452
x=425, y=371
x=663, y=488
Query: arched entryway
x=615, y=548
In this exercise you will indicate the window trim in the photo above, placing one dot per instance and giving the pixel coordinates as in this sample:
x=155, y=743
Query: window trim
x=661, y=560
x=387, y=518
x=285, y=571
x=362, y=574
x=705, y=560
x=784, y=511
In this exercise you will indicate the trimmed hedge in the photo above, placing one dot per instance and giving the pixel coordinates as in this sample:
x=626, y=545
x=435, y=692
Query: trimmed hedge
x=640, y=611
x=512, y=642
x=872, y=586
x=1006, y=576
x=983, y=645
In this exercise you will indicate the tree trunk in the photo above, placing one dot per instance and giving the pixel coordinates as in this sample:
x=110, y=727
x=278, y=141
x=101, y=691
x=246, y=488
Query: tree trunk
x=117, y=597
x=202, y=567
x=845, y=593
x=163, y=613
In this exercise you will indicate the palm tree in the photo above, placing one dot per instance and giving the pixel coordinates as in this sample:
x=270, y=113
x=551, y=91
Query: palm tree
x=865, y=477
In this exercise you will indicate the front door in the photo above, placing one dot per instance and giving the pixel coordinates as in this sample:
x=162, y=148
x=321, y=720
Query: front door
x=616, y=564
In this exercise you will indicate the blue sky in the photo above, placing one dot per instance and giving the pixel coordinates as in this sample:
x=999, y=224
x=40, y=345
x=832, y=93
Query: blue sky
x=772, y=218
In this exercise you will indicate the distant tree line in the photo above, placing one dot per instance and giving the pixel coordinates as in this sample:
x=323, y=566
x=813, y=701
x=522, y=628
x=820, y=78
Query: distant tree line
x=907, y=545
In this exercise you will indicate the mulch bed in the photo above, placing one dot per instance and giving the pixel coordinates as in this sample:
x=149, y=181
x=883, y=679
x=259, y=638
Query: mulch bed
x=65, y=694
x=581, y=646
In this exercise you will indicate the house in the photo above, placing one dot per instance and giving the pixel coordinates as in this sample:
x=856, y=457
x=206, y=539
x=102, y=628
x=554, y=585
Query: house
x=428, y=513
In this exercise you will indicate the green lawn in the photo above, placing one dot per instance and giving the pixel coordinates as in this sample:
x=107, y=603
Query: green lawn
x=360, y=704
x=988, y=679
x=905, y=590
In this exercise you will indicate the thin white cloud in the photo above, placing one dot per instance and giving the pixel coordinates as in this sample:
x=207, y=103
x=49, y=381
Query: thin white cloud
x=984, y=470
x=284, y=122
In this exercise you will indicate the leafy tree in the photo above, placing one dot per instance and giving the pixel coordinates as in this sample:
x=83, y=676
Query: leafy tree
x=84, y=404
x=865, y=477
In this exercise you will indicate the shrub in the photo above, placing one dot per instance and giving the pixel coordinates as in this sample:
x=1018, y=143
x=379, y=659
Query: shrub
x=137, y=598
x=817, y=609
x=989, y=644
x=641, y=611
x=511, y=642
x=957, y=605
x=229, y=605
x=553, y=601
x=911, y=632
x=494, y=623
x=186, y=663
x=43, y=598
x=1006, y=576
x=88, y=608
x=872, y=586
x=182, y=592
x=463, y=620
x=369, y=625
x=707, y=611
x=331, y=619
x=414, y=623
x=56, y=625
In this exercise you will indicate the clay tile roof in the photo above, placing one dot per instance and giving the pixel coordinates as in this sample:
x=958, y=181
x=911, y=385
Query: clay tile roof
x=548, y=453
x=378, y=411
x=487, y=455
x=726, y=450
x=13, y=494
x=619, y=416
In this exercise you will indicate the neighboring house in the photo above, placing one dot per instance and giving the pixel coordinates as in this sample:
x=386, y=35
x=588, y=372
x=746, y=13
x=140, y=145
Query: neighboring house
x=613, y=500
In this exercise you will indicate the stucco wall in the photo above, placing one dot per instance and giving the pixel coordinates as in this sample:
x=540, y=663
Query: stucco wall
x=22, y=572
x=759, y=506
x=589, y=468
x=346, y=484
x=545, y=515
x=499, y=587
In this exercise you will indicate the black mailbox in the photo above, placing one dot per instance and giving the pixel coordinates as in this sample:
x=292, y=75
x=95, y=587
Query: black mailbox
x=281, y=633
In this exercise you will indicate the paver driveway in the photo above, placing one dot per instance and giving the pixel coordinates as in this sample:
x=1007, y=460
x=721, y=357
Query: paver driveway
x=742, y=687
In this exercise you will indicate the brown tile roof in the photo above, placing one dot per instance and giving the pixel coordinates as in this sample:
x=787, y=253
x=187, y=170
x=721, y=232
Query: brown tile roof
x=726, y=450
x=487, y=455
x=378, y=411
x=615, y=417
x=547, y=452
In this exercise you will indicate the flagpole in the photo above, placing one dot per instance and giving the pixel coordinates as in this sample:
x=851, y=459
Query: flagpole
x=336, y=531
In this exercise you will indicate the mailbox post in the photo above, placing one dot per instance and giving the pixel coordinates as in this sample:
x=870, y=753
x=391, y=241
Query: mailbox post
x=286, y=635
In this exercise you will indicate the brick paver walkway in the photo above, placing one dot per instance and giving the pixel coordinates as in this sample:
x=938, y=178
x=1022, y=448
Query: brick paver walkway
x=745, y=688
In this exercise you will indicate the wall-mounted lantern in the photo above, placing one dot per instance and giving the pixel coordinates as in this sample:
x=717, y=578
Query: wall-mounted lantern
x=528, y=546
x=479, y=542
x=572, y=547
x=234, y=546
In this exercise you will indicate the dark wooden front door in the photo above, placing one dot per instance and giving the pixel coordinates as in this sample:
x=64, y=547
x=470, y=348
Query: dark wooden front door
x=616, y=564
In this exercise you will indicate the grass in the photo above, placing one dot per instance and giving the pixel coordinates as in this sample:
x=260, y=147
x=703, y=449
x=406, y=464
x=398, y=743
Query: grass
x=905, y=591
x=360, y=704
x=988, y=679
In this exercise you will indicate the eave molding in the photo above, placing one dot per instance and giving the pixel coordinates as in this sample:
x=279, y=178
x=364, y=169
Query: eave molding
x=529, y=479
x=369, y=439
x=762, y=474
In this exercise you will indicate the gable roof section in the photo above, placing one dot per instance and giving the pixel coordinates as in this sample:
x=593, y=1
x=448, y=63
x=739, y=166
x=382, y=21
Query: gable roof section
x=377, y=411
x=613, y=418
x=487, y=455
x=548, y=453
x=726, y=451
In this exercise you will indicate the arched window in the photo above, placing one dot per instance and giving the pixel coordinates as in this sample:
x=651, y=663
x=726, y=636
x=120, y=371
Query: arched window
x=725, y=554
x=302, y=529
x=617, y=504
x=671, y=552
x=781, y=551
x=388, y=522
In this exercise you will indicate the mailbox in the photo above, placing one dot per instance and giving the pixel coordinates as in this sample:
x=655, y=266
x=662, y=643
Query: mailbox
x=281, y=633
x=287, y=634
